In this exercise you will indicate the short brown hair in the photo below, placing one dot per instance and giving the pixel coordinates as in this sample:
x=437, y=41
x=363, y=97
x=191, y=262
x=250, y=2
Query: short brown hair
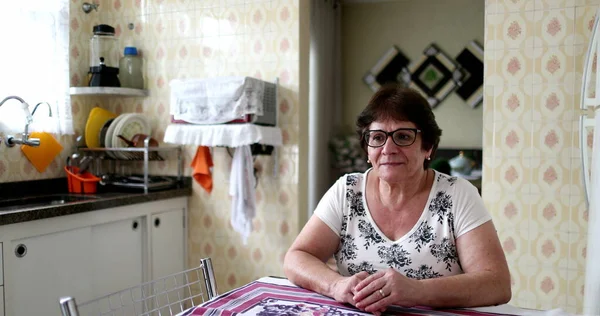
x=393, y=101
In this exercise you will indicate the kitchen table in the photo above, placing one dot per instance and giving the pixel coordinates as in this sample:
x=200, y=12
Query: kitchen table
x=270, y=296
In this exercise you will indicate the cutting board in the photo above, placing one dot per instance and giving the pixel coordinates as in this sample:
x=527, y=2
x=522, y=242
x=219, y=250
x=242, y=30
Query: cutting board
x=41, y=156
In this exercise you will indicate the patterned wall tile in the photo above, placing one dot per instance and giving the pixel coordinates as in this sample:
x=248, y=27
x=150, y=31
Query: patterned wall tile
x=551, y=214
x=514, y=242
x=547, y=77
x=515, y=104
x=557, y=27
x=512, y=66
x=554, y=4
x=514, y=6
x=579, y=214
x=575, y=289
x=584, y=23
x=552, y=102
x=517, y=29
x=494, y=32
x=183, y=39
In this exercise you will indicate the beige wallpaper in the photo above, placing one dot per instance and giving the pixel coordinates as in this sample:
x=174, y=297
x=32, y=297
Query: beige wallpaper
x=183, y=39
x=534, y=52
x=370, y=29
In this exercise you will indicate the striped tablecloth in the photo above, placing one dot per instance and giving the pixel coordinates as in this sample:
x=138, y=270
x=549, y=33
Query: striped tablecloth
x=274, y=296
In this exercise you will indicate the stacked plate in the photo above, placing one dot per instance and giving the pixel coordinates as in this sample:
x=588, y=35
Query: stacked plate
x=103, y=129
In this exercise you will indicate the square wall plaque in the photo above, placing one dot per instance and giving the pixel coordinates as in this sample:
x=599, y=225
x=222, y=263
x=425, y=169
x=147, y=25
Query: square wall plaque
x=471, y=62
x=388, y=69
x=435, y=75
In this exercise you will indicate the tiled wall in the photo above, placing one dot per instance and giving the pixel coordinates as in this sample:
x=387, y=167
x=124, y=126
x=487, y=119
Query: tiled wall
x=534, y=52
x=183, y=39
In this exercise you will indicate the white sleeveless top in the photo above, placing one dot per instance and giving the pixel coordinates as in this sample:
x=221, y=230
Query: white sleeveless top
x=428, y=250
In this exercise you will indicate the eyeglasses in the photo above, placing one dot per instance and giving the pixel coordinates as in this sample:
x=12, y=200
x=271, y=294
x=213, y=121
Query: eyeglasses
x=401, y=137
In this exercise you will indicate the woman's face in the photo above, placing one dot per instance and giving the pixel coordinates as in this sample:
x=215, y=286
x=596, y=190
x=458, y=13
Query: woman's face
x=396, y=163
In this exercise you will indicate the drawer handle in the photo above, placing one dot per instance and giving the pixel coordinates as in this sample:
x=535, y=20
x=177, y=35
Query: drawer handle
x=135, y=225
x=20, y=250
x=157, y=222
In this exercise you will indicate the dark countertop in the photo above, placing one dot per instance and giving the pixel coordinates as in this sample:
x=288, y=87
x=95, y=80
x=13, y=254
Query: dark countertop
x=104, y=198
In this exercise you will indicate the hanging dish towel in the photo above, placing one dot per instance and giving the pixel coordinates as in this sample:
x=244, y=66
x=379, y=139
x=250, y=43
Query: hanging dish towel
x=241, y=189
x=202, y=165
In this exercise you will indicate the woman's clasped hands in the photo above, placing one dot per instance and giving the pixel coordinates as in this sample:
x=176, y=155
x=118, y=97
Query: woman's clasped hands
x=384, y=288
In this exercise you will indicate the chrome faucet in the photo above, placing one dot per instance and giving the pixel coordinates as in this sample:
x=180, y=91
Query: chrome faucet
x=25, y=140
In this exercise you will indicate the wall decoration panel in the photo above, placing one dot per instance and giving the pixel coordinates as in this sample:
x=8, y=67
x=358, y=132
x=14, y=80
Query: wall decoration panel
x=471, y=62
x=388, y=69
x=435, y=75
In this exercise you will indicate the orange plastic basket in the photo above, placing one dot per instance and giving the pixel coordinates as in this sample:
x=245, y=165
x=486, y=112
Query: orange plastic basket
x=81, y=183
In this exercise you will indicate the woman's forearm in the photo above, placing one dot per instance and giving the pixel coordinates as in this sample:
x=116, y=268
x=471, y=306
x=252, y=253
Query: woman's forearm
x=310, y=273
x=466, y=290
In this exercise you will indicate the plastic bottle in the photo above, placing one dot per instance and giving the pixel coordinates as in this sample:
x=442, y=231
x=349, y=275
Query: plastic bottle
x=130, y=69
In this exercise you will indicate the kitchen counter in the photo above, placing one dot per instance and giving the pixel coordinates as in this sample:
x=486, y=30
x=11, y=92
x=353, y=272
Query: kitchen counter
x=104, y=198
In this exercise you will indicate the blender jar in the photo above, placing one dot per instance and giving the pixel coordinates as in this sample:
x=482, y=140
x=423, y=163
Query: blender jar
x=104, y=57
x=104, y=44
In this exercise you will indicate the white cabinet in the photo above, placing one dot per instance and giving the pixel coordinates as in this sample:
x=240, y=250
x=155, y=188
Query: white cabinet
x=167, y=235
x=1, y=268
x=45, y=267
x=89, y=255
x=1, y=301
x=168, y=241
x=116, y=253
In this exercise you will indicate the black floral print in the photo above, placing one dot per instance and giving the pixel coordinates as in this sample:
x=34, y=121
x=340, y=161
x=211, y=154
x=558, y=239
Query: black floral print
x=356, y=203
x=344, y=224
x=363, y=266
x=451, y=180
x=439, y=177
x=368, y=232
x=349, y=249
x=351, y=180
x=271, y=308
x=422, y=236
x=441, y=205
x=394, y=256
x=446, y=252
x=423, y=272
x=451, y=223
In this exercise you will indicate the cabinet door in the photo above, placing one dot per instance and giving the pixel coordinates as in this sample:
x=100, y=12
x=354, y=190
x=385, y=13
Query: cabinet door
x=1, y=301
x=44, y=268
x=167, y=256
x=168, y=242
x=117, y=256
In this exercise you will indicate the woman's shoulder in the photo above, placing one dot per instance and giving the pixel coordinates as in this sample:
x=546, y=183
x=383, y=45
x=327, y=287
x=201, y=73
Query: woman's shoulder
x=353, y=178
x=457, y=184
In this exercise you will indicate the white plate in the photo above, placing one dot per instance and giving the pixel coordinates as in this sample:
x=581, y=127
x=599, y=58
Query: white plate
x=129, y=125
x=109, y=133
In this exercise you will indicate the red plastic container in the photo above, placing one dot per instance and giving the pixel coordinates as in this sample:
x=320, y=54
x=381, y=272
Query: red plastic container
x=81, y=183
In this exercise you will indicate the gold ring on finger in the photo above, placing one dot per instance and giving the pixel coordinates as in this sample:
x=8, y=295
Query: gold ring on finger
x=381, y=293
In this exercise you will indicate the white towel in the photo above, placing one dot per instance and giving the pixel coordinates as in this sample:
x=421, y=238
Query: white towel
x=241, y=189
x=215, y=100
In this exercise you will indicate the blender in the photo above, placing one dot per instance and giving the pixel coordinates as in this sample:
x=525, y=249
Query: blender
x=104, y=67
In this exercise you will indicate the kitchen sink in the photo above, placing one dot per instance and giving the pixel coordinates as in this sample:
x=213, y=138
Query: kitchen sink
x=43, y=201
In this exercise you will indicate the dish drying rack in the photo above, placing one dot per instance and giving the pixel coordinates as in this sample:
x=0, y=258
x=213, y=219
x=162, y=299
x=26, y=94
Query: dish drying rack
x=145, y=154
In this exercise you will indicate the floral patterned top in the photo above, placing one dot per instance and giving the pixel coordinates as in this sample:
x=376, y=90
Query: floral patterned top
x=428, y=250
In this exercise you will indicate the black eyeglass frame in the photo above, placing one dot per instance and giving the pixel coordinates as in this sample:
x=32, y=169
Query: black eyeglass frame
x=388, y=134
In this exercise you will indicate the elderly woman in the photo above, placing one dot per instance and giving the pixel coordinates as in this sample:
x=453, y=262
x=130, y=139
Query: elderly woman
x=401, y=234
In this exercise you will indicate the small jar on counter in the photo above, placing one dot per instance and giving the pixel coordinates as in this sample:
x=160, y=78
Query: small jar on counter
x=130, y=69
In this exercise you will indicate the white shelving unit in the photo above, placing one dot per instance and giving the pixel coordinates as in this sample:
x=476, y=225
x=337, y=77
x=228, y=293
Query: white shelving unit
x=109, y=91
x=229, y=135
